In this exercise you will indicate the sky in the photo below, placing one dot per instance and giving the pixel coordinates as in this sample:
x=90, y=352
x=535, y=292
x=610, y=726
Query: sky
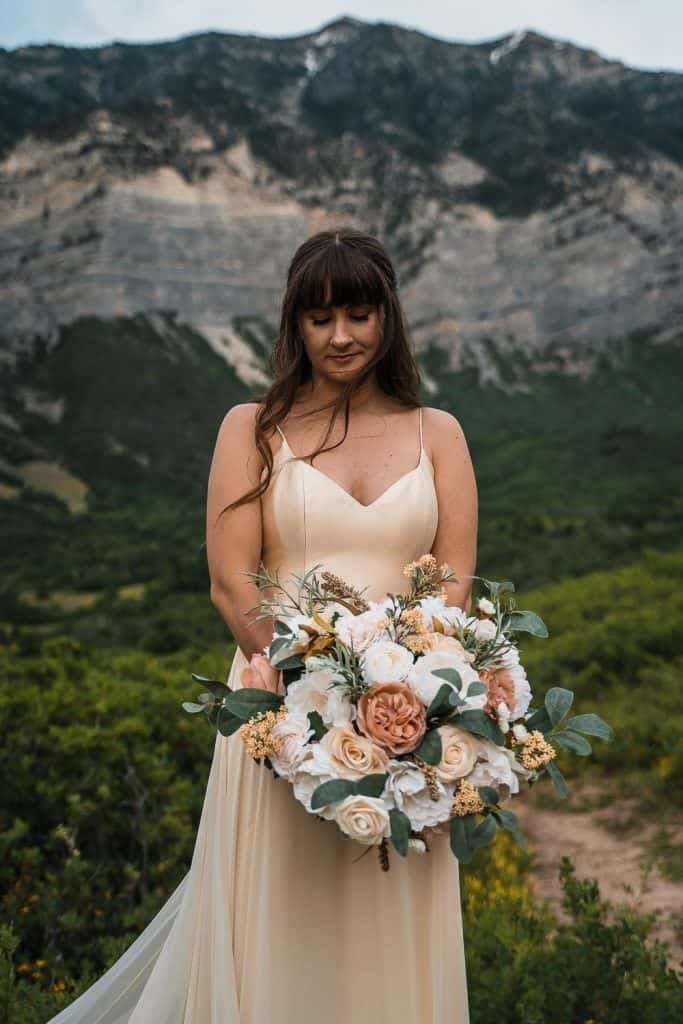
x=644, y=35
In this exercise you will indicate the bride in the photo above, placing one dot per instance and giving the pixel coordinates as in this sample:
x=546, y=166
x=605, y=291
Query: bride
x=277, y=921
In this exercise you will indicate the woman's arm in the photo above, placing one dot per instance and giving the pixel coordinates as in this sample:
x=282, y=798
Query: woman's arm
x=456, y=489
x=234, y=542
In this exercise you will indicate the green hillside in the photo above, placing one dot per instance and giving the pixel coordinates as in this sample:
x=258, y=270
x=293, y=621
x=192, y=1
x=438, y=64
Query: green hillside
x=573, y=475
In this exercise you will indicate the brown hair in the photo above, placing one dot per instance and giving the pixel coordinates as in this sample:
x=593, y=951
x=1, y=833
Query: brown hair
x=358, y=271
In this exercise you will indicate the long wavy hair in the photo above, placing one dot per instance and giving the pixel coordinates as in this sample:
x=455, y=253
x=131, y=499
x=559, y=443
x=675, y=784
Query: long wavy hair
x=342, y=266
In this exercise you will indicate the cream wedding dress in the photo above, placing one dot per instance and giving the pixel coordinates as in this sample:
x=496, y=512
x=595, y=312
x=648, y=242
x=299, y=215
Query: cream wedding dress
x=274, y=923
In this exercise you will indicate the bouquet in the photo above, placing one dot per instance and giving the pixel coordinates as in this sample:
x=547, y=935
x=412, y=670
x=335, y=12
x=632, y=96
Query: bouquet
x=401, y=718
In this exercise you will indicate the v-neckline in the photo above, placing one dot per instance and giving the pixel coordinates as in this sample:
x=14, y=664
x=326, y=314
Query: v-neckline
x=404, y=476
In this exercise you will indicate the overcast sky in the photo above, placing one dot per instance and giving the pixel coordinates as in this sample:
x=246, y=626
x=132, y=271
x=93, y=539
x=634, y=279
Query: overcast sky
x=646, y=35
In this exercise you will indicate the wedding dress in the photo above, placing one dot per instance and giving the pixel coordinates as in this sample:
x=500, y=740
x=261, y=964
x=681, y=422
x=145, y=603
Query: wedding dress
x=277, y=921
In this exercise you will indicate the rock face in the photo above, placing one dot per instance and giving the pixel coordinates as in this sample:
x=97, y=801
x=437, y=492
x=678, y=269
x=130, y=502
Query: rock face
x=529, y=191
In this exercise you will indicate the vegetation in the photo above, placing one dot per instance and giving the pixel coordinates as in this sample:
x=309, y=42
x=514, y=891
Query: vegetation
x=117, y=772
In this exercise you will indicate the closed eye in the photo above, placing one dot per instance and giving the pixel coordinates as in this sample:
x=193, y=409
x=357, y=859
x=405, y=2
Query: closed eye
x=358, y=319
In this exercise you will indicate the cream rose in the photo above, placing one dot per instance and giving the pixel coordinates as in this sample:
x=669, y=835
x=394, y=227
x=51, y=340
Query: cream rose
x=315, y=692
x=359, y=631
x=363, y=818
x=450, y=645
x=352, y=756
x=458, y=753
x=386, y=662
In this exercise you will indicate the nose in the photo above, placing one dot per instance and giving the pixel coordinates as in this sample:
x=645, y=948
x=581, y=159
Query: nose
x=341, y=337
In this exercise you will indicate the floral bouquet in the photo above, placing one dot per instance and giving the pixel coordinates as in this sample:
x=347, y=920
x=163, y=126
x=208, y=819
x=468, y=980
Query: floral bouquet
x=398, y=718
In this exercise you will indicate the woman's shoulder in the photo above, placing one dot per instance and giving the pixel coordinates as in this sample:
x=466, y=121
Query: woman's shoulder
x=441, y=429
x=239, y=427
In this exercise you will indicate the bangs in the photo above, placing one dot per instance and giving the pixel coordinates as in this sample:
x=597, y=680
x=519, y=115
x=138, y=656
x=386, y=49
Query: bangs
x=339, y=276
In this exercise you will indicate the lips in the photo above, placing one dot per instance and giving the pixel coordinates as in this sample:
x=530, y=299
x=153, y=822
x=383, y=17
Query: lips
x=343, y=359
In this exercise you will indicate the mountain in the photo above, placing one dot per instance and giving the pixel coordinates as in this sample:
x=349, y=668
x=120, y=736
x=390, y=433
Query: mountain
x=529, y=191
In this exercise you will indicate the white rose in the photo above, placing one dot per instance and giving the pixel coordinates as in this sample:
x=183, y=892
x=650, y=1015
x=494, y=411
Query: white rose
x=427, y=686
x=386, y=662
x=293, y=732
x=520, y=732
x=314, y=692
x=458, y=753
x=485, y=606
x=417, y=845
x=311, y=772
x=483, y=629
x=359, y=631
x=363, y=818
x=408, y=789
x=496, y=766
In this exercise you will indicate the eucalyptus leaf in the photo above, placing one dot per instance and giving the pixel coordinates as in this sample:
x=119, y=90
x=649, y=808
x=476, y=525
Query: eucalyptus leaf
x=476, y=689
x=248, y=701
x=489, y=795
x=400, y=830
x=430, y=749
x=558, y=779
x=539, y=719
x=460, y=838
x=331, y=793
x=558, y=702
x=317, y=725
x=508, y=819
x=281, y=628
x=525, y=622
x=451, y=675
x=371, y=785
x=226, y=722
x=191, y=707
x=294, y=661
x=574, y=742
x=441, y=705
x=217, y=688
x=592, y=725
x=278, y=645
x=484, y=832
x=204, y=698
x=481, y=724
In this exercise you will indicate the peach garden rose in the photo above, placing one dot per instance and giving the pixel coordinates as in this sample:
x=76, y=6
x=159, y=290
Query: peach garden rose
x=393, y=716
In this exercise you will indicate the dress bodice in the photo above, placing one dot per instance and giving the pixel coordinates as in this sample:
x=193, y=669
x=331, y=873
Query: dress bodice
x=309, y=518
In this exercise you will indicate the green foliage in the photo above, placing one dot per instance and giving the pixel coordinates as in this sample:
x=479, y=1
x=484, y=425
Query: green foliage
x=599, y=965
x=103, y=782
x=616, y=639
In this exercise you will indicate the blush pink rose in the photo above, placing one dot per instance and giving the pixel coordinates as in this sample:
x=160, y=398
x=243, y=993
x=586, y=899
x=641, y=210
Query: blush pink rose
x=500, y=686
x=261, y=675
x=393, y=716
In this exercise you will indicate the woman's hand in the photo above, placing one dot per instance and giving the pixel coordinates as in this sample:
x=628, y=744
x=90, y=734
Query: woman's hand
x=261, y=675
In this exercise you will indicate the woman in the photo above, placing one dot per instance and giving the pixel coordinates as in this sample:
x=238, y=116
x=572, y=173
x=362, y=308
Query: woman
x=277, y=920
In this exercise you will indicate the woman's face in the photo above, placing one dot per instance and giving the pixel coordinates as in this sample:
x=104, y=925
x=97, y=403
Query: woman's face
x=340, y=340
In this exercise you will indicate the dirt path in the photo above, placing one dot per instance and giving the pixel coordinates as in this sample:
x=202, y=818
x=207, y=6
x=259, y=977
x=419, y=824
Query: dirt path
x=603, y=844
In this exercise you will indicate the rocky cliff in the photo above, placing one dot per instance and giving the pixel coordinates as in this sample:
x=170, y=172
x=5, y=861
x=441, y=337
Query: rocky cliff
x=529, y=191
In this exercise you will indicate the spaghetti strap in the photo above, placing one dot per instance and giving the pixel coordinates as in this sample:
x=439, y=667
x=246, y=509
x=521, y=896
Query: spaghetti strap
x=281, y=433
